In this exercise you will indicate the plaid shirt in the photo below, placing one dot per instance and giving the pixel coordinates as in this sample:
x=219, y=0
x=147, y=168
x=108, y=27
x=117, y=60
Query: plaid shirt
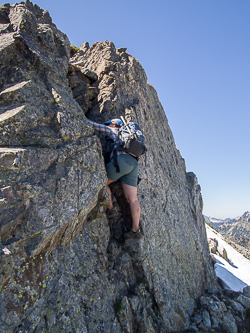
x=111, y=132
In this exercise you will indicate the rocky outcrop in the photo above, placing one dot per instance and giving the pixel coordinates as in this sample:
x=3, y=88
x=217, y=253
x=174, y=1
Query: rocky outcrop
x=64, y=267
x=215, y=249
x=222, y=311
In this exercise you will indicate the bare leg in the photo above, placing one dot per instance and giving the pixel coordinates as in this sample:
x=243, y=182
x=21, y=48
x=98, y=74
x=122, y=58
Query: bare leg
x=110, y=194
x=130, y=193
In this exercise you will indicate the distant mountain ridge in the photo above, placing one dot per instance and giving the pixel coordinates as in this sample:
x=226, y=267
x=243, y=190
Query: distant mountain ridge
x=237, y=229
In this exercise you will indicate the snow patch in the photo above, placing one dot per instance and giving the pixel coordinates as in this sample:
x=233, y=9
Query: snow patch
x=237, y=275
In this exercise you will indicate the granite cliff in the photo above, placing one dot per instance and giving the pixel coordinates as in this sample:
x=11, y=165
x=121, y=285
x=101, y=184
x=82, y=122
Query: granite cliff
x=64, y=266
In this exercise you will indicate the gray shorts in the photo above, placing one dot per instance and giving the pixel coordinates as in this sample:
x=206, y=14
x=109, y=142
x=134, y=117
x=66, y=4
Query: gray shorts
x=129, y=170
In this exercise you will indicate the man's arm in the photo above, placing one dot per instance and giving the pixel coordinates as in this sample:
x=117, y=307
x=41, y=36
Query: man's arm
x=103, y=128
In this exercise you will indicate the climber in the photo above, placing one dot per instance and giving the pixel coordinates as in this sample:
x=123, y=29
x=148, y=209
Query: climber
x=128, y=175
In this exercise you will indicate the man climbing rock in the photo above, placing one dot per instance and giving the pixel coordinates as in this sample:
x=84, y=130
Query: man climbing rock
x=127, y=174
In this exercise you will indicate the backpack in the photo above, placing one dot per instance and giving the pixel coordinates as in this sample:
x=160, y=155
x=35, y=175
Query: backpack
x=132, y=139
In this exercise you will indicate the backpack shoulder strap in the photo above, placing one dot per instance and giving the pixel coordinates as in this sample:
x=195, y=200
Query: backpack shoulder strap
x=116, y=161
x=125, y=123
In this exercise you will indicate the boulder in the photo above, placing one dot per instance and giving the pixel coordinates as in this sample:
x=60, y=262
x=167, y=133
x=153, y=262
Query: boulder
x=213, y=245
x=246, y=291
x=229, y=323
x=245, y=301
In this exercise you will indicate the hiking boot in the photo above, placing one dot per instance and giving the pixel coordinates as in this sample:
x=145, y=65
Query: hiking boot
x=112, y=213
x=132, y=234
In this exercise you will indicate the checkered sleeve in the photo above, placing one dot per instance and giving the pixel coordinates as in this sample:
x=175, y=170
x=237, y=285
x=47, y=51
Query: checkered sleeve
x=103, y=129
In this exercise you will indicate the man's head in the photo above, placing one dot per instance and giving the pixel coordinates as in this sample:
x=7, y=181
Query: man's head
x=115, y=122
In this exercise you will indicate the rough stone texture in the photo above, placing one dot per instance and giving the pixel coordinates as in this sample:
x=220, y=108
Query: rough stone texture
x=221, y=311
x=170, y=199
x=64, y=267
x=244, y=300
x=246, y=291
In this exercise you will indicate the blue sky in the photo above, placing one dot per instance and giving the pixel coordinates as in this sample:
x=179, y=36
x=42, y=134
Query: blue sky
x=196, y=53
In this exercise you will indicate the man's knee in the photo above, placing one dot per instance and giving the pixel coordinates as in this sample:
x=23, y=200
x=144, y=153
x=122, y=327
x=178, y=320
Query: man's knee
x=127, y=197
x=131, y=198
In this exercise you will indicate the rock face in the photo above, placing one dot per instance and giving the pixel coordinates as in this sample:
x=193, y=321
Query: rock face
x=222, y=311
x=64, y=267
